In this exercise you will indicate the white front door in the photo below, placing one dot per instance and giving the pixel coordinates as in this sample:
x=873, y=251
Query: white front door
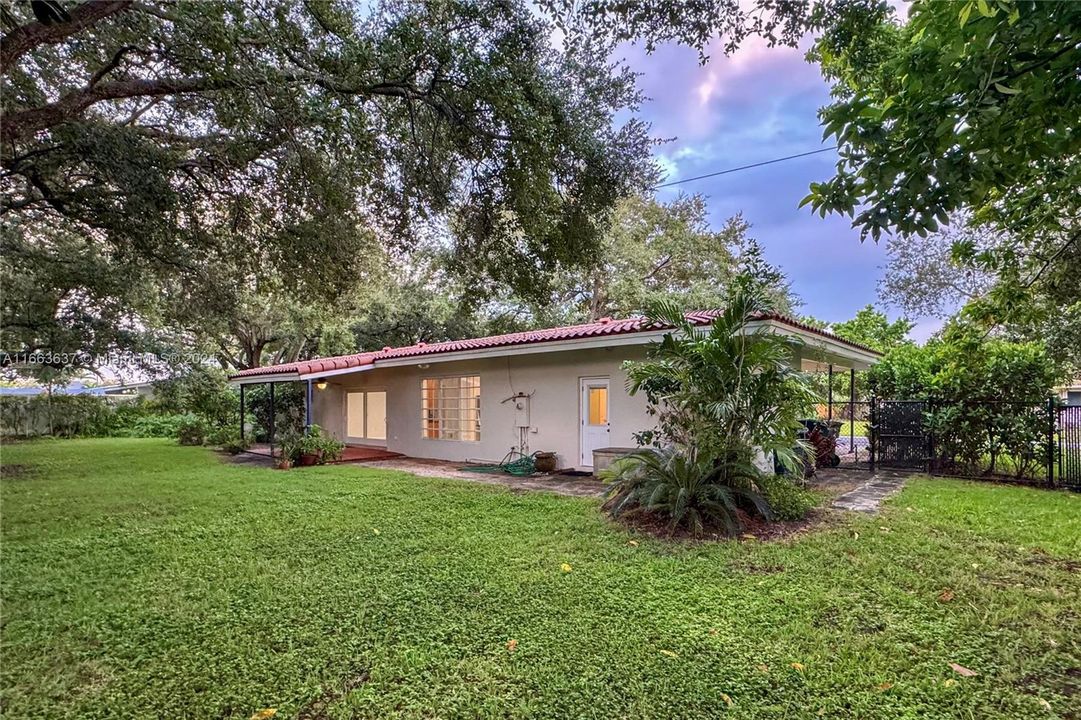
x=593, y=417
x=366, y=417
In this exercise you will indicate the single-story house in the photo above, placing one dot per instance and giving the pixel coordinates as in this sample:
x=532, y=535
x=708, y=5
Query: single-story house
x=561, y=389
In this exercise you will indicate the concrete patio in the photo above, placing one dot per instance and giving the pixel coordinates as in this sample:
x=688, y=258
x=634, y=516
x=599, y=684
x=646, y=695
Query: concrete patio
x=574, y=485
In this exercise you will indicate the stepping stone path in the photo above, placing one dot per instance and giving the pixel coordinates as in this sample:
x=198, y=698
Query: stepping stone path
x=869, y=496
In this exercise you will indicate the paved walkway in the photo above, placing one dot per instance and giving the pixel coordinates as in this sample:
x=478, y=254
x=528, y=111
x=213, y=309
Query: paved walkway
x=869, y=496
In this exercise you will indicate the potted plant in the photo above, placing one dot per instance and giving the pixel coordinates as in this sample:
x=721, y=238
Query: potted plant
x=317, y=447
x=544, y=461
x=290, y=451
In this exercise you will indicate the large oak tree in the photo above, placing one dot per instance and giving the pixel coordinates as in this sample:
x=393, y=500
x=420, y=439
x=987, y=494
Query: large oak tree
x=163, y=161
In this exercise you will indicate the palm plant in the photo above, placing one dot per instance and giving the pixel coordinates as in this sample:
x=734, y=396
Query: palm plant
x=722, y=396
x=683, y=488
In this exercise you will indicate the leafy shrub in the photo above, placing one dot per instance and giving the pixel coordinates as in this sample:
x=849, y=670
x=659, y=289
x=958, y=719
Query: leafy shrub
x=192, y=430
x=147, y=426
x=56, y=415
x=202, y=390
x=319, y=443
x=987, y=398
x=721, y=395
x=786, y=499
x=725, y=392
x=684, y=489
x=288, y=409
x=228, y=439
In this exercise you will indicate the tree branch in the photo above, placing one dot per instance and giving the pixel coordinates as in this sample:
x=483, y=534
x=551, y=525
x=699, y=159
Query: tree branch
x=111, y=65
x=23, y=39
x=72, y=105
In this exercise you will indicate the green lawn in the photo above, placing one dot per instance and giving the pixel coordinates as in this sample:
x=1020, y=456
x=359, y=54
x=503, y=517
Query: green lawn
x=141, y=579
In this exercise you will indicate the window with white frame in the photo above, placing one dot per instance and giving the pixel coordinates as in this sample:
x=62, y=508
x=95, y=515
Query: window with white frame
x=450, y=408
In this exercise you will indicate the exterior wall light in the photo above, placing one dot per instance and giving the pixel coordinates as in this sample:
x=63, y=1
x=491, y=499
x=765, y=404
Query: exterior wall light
x=321, y=384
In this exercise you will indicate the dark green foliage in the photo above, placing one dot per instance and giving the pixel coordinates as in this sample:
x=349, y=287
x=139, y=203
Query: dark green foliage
x=202, y=390
x=655, y=251
x=688, y=491
x=723, y=397
x=192, y=430
x=988, y=398
x=318, y=443
x=228, y=439
x=967, y=105
x=288, y=409
x=58, y=415
x=166, y=160
x=314, y=442
x=967, y=113
x=786, y=499
x=872, y=328
x=726, y=392
x=146, y=424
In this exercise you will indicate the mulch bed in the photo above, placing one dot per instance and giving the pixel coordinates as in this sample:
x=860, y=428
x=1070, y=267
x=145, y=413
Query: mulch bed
x=754, y=528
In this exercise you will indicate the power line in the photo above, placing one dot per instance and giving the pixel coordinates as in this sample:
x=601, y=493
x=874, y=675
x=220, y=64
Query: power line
x=743, y=167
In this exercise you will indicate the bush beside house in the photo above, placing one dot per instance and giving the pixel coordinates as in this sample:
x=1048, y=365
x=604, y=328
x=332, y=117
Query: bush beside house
x=724, y=398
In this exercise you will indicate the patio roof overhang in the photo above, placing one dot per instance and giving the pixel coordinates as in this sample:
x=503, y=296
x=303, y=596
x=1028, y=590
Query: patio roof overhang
x=293, y=376
x=822, y=350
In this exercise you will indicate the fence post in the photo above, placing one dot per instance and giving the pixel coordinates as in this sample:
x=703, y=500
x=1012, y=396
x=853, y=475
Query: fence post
x=1051, y=417
x=874, y=430
x=829, y=395
x=242, y=411
x=930, y=432
x=851, y=408
x=273, y=412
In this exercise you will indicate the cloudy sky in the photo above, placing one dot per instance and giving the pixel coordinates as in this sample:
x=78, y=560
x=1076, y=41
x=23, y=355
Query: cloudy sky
x=757, y=105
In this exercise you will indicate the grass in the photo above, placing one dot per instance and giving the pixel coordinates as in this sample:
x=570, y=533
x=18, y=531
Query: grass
x=142, y=579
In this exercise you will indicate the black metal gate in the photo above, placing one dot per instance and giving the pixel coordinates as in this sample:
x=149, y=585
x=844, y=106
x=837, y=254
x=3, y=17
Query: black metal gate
x=1037, y=442
x=1068, y=432
x=899, y=438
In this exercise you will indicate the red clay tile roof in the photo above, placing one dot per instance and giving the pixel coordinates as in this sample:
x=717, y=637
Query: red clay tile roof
x=599, y=328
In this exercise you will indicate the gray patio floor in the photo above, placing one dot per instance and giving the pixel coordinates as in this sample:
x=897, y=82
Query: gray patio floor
x=579, y=486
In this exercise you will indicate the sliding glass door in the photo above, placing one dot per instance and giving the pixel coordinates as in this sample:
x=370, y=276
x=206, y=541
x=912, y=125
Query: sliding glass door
x=366, y=417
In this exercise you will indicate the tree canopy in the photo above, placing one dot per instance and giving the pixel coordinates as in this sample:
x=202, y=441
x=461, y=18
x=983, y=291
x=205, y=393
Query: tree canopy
x=872, y=328
x=964, y=109
x=969, y=105
x=156, y=155
x=924, y=278
x=656, y=251
x=968, y=110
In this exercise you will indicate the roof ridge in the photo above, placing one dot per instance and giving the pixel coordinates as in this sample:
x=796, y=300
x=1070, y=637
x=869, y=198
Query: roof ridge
x=594, y=328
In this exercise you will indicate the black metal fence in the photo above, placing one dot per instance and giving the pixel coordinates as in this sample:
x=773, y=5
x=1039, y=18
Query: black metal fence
x=1068, y=445
x=1037, y=443
x=850, y=422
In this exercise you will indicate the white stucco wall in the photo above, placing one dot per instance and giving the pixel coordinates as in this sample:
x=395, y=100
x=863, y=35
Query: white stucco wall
x=552, y=377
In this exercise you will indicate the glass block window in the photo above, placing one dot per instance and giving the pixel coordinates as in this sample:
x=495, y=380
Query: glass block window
x=450, y=408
